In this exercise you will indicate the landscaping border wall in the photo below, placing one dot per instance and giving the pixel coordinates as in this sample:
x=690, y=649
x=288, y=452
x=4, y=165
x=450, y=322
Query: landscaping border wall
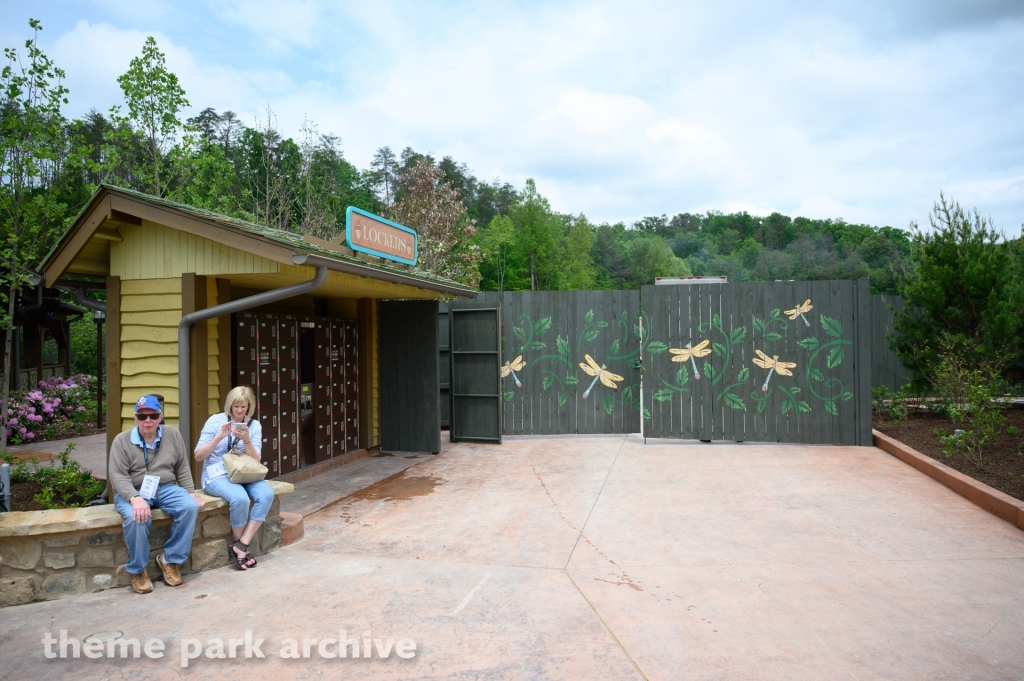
x=992, y=500
x=65, y=552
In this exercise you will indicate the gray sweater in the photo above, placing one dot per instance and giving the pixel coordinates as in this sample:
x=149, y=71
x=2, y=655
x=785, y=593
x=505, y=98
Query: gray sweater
x=127, y=466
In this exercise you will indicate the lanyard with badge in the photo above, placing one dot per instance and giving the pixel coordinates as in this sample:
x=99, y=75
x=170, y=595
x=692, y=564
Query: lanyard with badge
x=219, y=469
x=149, y=482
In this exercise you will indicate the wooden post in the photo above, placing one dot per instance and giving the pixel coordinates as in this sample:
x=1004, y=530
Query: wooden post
x=193, y=298
x=225, y=350
x=99, y=375
x=367, y=346
x=113, y=366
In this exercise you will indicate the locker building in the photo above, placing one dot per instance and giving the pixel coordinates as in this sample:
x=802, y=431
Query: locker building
x=198, y=303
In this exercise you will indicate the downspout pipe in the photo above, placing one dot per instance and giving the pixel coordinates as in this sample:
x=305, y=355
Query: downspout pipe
x=39, y=300
x=94, y=305
x=36, y=282
x=185, y=326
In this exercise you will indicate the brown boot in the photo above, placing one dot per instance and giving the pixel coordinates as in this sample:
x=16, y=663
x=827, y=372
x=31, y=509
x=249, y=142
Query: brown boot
x=172, y=577
x=141, y=583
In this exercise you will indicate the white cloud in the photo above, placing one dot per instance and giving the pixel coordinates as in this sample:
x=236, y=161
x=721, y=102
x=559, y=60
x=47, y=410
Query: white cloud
x=94, y=55
x=625, y=110
x=281, y=22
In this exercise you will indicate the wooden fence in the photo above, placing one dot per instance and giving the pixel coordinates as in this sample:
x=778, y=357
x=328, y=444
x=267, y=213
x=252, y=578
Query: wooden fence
x=778, y=362
x=572, y=361
x=886, y=368
x=546, y=336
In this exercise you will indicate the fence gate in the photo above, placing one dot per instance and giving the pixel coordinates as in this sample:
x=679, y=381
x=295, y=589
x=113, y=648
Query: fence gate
x=782, y=362
x=475, y=356
x=409, y=411
x=445, y=368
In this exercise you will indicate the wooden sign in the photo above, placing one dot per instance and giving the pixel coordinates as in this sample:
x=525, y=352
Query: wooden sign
x=369, y=233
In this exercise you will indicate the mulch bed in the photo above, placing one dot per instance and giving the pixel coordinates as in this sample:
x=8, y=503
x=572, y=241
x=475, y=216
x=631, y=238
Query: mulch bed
x=22, y=494
x=1002, y=460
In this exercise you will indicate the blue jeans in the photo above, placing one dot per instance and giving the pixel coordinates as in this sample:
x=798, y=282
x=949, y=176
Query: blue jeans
x=175, y=502
x=238, y=495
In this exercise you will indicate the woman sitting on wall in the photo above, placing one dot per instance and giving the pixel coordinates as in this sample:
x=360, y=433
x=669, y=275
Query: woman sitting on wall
x=236, y=430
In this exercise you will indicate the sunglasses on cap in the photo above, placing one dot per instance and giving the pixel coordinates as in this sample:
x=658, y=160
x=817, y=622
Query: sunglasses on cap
x=143, y=417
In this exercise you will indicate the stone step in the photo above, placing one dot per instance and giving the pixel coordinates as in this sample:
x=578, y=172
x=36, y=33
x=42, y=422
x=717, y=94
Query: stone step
x=291, y=528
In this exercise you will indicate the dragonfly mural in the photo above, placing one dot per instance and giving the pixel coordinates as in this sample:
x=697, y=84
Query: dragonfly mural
x=599, y=373
x=799, y=311
x=773, y=365
x=688, y=353
x=512, y=367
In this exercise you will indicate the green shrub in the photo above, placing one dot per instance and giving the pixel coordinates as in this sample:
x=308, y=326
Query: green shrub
x=976, y=415
x=897, y=402
x=65, y=485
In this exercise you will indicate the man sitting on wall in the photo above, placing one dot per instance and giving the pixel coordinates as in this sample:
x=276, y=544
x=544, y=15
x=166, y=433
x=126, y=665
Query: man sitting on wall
x=145, y=462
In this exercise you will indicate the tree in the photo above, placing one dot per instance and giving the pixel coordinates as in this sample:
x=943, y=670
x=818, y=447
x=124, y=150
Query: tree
x=649, y=258
x=960, y=293
x=432, y=207
x=199, y=175
x=154, y=99
x=578, y=271
x=385, y=175
x=537, y=237
x=268, y=167
x=609, y=257
x=32, y=133
x=497, y=244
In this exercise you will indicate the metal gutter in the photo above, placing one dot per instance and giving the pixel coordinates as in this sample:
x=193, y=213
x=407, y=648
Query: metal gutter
x=94, y=305
x=311, y=260
x=185, y=325
x=39, y=300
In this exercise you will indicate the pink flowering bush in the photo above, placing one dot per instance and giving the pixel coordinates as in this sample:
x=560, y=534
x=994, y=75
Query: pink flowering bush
x=57, y=405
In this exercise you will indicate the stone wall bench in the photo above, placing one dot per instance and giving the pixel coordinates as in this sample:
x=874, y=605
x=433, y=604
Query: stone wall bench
x=64, y=552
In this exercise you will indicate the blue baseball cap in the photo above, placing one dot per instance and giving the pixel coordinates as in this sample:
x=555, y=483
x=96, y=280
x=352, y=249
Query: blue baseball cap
x=148, y=402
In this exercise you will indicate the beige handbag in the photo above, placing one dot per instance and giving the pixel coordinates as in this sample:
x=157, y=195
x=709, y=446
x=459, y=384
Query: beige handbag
x=242, y=468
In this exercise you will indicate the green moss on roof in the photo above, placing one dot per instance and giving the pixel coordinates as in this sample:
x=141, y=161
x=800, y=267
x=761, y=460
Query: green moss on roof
x=288, y=239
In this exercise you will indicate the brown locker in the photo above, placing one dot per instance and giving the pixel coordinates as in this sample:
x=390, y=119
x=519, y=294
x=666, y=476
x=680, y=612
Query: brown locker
x=245, y=338
x=267, y=393
x=247, y=376
x=337, y=363
x=288, y=383
x=322, y=389
x=351, y=381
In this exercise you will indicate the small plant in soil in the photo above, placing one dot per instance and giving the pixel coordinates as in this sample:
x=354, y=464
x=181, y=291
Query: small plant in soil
x=895, y=403
x=977, y=417
x=62, y=485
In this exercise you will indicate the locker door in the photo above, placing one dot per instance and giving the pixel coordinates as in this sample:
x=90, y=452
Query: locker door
x=267, y=393
x=337, y=388
x=246, y=343
x=351, y=385
x=288, y=424
x=322, y=389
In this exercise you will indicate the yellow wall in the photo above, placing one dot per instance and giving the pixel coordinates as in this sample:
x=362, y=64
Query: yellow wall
x=150, y=312
x=213, y=350
x=152, y=251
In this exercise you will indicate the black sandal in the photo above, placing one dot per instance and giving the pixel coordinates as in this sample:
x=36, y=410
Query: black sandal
x=233, y=557
x=248, y=561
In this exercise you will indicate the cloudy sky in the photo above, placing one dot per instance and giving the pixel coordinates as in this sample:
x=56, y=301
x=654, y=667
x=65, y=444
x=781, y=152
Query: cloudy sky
x=859, y=109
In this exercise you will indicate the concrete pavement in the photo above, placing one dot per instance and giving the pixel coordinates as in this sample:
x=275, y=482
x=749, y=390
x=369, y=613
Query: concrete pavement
x=90, y=451
x=579, y=558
